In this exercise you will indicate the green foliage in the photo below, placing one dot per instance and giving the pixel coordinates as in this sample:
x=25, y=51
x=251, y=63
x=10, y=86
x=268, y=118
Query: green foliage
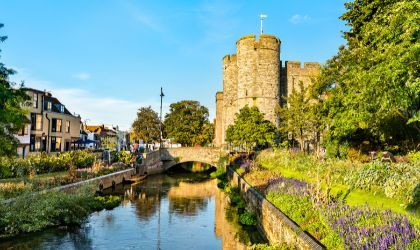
x=372, y=85
x=146, y=126
x=251, y=129
x=247, y=218
x=336, y=149
x=188, y=123
x=45, y=163
x=302, y=211
x=124, y=157
x=34, y=212
x=105, y=202
x=82, y=158
x=274, y=246
x=301, y=117
x=13, y=115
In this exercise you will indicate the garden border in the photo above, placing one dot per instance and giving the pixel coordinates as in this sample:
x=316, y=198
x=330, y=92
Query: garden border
x=106, y=180
x=275, y=225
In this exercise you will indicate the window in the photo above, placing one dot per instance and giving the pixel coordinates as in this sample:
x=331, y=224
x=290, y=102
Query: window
x=36, y=121
x=62, y=108
x=56, y=125
x=49, y=106
x=35, y=100
x=68, y=126
x=34, y=143
x=55, y=144
x=23, y=131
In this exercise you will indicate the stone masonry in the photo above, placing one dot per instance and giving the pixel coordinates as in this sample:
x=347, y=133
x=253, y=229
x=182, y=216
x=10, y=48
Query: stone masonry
x=254, y=76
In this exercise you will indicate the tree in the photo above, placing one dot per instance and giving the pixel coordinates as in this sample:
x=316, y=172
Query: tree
x=250, y=129
x=301, y=117
x=373, y=83
x=13, y=116
x=146, y=126
x=187, y=123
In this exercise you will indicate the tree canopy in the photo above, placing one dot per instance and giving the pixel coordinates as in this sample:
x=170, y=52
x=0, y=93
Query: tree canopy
x=372, y=85
x=188, y=123
x=301, y=119
x=250, y=129
x=146, y=125
x=13, y=116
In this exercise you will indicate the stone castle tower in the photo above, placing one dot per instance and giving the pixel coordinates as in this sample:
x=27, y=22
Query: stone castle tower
x=254, y=76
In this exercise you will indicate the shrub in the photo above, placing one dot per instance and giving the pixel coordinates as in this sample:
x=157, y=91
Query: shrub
x=34, y=212
x=247, y=218
x=82, y=158
x=105, y=202
x=123, y=156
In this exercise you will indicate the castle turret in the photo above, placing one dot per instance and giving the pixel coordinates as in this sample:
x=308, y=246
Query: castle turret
x=230, y=91
x=218, y=134
x=259, y=73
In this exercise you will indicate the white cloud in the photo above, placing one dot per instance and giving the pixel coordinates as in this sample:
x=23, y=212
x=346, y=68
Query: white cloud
x=90, y=106
x=295, y=19
x=82, y=76
x=102, y=110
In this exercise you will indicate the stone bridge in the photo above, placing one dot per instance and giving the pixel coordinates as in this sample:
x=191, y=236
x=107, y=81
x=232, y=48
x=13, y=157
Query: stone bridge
x=161, y=160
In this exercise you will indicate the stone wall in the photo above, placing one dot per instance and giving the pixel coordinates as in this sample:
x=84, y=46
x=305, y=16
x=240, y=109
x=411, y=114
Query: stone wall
x=296, y=74
x=275, y=225
x=218, y=124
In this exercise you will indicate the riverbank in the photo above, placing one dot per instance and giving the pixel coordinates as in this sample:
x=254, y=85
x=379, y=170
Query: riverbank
x=320, y=197
x=57, y=208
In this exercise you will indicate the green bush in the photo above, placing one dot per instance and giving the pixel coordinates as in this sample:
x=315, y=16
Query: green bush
x=105, y=202
x=335, y=149
x=247, y=218
x=122, y=156
x=34, y=212
x=82, y=158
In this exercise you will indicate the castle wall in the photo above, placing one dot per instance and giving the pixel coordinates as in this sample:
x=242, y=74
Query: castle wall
x=296, y=74
x=219, y=119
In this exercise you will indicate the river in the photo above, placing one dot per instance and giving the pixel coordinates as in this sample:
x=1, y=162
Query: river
x=176, y=211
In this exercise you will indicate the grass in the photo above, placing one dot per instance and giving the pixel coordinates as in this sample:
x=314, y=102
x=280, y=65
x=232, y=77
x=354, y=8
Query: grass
x=304, y=168
x=36, y=177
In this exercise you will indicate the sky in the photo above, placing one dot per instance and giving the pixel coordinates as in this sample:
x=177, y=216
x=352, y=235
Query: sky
x=104, y=59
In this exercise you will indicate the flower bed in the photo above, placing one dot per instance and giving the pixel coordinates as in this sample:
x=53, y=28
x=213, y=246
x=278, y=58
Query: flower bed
x=315, y=194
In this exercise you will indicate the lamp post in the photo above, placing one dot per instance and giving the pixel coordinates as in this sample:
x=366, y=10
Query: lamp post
x=160, y=119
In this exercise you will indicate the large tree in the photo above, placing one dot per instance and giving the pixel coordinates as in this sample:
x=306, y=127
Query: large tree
x=373, y=83
x=250, y=129
x=146, y=126
x=188, y=123
x=13, y=116
x=301, y=118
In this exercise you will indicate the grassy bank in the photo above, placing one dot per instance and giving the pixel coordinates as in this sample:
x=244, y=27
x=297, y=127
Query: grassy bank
x=35, y=212
x=342, y=203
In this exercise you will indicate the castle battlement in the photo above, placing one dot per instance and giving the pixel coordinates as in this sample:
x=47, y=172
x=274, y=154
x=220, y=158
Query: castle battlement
x=306, y=65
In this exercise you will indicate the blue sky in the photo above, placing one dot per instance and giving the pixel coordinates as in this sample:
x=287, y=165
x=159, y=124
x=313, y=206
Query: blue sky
x=106, y=58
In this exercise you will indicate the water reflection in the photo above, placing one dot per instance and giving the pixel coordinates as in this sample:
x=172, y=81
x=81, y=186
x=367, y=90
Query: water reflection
x=161, y=212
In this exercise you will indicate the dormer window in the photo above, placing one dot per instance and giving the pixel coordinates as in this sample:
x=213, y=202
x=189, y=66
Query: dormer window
x=62, y=108
x=49, y=106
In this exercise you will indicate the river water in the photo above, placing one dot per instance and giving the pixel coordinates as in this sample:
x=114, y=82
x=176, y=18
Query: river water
x=176, y=211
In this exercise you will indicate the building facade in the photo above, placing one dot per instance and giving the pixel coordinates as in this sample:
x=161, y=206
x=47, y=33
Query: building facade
x=255, y=76
x=52, y=129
